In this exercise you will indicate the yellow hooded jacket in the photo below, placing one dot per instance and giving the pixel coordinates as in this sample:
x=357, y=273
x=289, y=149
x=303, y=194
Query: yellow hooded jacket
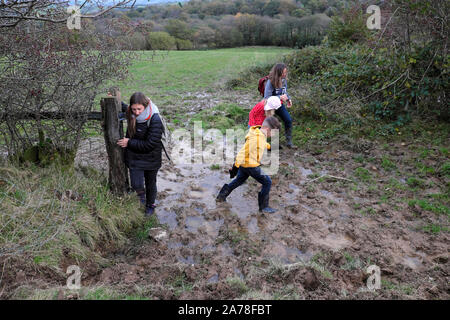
x=250, y=154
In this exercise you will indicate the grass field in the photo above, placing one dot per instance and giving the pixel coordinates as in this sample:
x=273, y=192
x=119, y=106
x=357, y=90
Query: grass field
x=165, y=73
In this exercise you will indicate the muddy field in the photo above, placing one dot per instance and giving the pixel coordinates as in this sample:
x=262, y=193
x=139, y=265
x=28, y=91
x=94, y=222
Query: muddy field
x=330, y=226
x=315, y=246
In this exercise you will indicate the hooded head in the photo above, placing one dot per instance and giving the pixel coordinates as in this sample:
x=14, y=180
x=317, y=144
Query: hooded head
x=273, y=103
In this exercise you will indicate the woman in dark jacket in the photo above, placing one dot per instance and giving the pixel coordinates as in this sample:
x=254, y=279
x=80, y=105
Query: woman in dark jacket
x=143, y=147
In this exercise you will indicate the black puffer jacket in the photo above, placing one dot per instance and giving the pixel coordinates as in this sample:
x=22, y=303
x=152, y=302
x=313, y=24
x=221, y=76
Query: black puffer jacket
x=144, y=149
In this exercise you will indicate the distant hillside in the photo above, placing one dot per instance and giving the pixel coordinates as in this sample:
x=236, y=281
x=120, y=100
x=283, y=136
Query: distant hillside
x=195, y=24
x=150, y=2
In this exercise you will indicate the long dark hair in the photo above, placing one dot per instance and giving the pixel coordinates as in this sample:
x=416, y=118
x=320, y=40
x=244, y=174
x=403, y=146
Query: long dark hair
x=275, y=75
x=136, y=98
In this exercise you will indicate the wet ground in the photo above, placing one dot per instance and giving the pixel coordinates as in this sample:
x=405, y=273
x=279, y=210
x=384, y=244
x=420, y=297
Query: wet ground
x=318, y=245
x=329, y=227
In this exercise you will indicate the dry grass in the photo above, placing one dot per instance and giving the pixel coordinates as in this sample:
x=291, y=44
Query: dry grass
x=56, y=211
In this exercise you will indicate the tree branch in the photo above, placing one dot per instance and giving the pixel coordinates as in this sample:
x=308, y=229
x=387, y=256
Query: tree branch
x=53, y=11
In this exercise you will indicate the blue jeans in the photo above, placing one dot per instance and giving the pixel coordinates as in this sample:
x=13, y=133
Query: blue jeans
x=283, y=113
x=256, y=173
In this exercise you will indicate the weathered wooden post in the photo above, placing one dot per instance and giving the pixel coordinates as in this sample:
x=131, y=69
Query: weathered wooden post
x=117, y=169
x=114, y=91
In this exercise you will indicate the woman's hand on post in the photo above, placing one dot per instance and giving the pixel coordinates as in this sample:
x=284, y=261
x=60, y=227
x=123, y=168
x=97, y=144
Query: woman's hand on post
x=123, y=142
x=289, y=103
x=283, y=98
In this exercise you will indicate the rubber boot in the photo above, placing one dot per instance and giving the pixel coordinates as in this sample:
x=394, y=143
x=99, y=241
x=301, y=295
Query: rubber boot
x=141, y=196
x=260, y=201
x=223, y=193
x=265, y=205
x=289, y=137
x=149, y=211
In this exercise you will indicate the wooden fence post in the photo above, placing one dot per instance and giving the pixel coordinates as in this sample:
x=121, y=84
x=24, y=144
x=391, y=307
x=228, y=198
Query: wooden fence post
x=117, y=170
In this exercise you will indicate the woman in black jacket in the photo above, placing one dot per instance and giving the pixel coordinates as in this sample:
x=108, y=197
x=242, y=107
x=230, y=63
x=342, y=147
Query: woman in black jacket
x=143, y=147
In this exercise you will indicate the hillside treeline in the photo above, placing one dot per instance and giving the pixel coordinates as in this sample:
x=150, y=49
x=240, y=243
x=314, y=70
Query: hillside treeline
x=220, y=24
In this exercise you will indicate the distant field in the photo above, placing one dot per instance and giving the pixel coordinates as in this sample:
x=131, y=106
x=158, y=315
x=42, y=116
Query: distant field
x=178, y=72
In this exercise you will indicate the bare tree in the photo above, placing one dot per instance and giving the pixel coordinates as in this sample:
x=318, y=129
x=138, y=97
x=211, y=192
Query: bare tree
x=45, y=68
x=12, y=12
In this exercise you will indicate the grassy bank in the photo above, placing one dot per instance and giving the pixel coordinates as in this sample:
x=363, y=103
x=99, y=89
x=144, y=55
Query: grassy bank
x=57, y=216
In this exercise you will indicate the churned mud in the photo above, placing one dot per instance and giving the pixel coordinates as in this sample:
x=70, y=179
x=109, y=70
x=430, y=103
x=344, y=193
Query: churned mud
x=329, y=228
x=318, y=245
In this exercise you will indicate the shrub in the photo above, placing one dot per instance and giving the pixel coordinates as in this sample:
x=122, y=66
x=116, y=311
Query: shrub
x=309, y=61
x=184, y=44
x=251, y=75
x=161, y=40
x=350, y=28
x=388, y=85
x=308, y=39
x=137, y=41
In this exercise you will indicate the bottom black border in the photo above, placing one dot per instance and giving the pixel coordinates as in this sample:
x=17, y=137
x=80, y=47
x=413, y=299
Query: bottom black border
x=221, y=309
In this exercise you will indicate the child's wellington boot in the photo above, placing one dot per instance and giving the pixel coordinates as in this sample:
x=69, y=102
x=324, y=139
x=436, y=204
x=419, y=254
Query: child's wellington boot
x=265, y=204
x=223, y=193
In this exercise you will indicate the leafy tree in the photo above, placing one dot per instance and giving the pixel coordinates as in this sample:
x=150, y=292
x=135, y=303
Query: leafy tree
x=228, y=37
x=183, y=44
x=215, y=8
x=204, y=35
x=179, y=29
x=301, y=12
x=350, y=28
x=331, y=11
x=161, y=40
x=287, y=6
x=248, y=26
x=272, y=8
x=137, y=41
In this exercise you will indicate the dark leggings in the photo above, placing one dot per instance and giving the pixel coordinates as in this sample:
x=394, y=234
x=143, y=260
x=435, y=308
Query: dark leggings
x=139, y=177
